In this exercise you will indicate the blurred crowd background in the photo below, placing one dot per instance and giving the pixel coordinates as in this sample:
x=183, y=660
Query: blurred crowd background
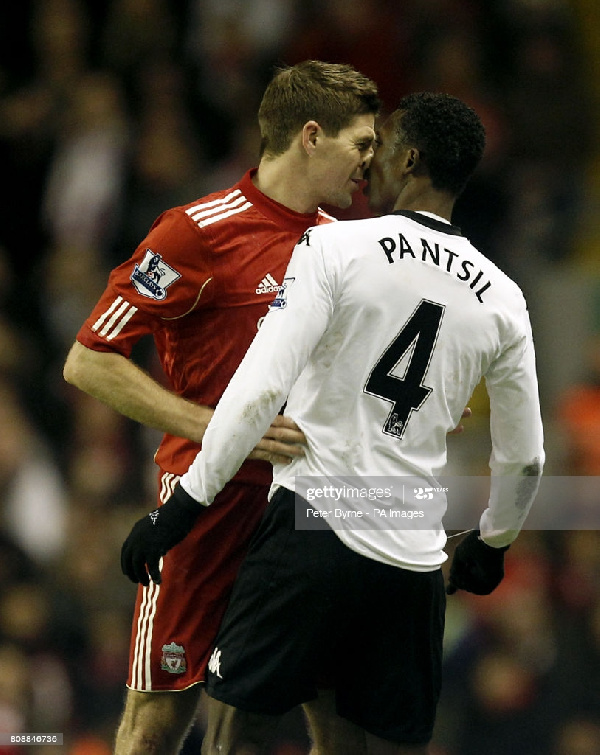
x=112, y=111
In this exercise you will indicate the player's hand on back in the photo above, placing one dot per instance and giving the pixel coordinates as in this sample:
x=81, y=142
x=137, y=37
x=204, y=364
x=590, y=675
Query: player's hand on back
x=459, y=428
x=283, y=442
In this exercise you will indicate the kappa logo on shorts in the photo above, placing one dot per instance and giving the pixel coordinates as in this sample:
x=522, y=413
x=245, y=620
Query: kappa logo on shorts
x=173, y=659
x=153, y=276
x=214, y=664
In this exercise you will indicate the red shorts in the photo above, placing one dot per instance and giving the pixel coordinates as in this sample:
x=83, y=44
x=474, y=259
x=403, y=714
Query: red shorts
x=175, y=623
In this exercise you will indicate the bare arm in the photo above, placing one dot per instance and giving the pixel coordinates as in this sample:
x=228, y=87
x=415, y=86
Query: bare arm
x=120, y=383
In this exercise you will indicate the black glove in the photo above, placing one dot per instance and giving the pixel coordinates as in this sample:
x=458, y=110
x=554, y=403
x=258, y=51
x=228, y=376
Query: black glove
x=476, y=566
x=157, y=533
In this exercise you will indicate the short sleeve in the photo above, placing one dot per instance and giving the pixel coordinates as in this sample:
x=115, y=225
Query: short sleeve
x=168, y=276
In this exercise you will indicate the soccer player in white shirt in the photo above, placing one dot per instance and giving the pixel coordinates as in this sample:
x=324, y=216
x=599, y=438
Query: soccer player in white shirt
x=377, y=340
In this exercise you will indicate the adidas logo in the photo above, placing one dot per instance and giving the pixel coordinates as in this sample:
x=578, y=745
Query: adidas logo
x=268, y=285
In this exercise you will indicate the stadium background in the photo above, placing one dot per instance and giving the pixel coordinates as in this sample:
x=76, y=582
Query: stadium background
x=113, y=110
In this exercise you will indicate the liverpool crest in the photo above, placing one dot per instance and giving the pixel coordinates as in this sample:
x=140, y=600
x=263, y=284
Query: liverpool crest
x=173, y=658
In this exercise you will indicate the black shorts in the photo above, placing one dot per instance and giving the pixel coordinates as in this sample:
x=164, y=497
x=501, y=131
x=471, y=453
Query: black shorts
x=307, y=612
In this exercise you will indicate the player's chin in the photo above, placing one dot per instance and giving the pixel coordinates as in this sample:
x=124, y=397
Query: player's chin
x=343, y=200
x=339, y=203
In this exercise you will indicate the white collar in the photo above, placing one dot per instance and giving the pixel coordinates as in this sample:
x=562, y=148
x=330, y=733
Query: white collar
x=435, y=217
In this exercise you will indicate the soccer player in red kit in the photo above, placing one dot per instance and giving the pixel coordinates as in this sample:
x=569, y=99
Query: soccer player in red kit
x=358, y=598
x=200, y=283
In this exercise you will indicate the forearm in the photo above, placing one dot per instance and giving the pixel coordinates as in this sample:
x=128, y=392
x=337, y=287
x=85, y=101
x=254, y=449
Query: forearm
x=517, y=435
x=238, y=425
x=511, y=498
x=118, y=382
x=252, y=399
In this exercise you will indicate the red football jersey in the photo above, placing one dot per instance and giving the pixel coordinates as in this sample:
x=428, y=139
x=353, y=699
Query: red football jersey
x=200, y=282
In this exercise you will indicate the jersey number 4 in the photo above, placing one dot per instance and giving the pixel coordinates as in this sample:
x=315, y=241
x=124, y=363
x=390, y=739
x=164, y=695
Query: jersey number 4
x=415, y=343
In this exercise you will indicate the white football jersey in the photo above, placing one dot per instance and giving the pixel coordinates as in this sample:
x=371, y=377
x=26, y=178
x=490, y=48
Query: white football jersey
x=379, y=335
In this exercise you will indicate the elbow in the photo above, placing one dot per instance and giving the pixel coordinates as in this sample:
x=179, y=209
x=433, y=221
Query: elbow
x=535, y=468
x=73, y=369
x=70, y=371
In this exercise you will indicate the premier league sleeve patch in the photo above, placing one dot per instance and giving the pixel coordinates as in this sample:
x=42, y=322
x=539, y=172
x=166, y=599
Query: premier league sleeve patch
x=153, y=276
x=280, y=301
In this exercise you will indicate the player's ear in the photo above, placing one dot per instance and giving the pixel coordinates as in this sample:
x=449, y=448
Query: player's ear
x=310, y=134
x=414, y=163
x=411, y=158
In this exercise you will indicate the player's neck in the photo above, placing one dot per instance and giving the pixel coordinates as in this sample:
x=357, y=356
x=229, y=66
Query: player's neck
x=422, y=198
x=280, y=181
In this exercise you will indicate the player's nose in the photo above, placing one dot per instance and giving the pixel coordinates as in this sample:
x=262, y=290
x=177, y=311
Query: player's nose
x=367, y=158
